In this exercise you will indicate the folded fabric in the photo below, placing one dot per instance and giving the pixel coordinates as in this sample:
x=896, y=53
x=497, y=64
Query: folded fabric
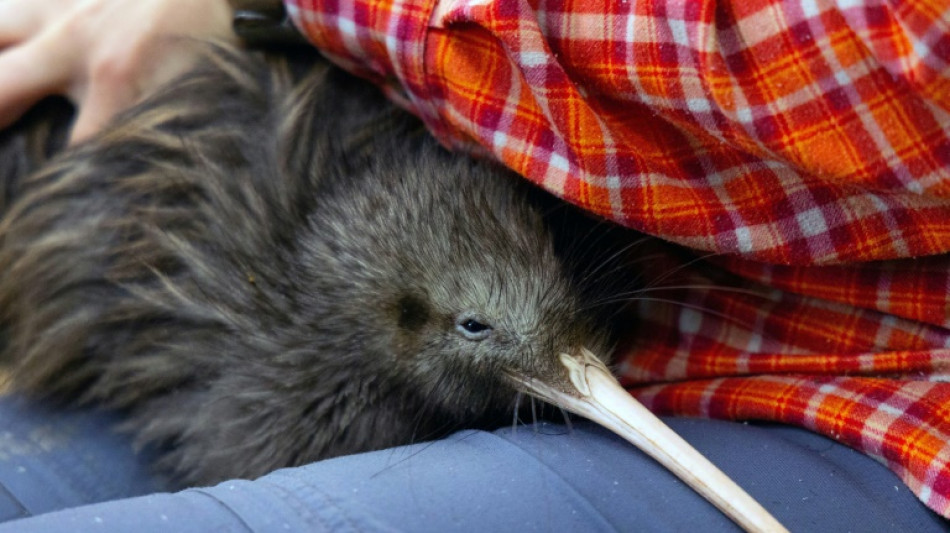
x=801, y=148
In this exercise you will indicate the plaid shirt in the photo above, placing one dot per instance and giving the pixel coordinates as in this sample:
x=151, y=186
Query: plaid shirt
x=803, y=148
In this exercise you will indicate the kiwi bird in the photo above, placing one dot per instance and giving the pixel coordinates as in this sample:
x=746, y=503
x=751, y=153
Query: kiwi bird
x=262, y=269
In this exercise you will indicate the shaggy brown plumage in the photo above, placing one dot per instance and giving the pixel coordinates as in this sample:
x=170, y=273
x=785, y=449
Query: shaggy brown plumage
x=262, y=272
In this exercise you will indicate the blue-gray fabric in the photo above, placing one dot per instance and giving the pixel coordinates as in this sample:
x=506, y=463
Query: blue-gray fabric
x=55, y=466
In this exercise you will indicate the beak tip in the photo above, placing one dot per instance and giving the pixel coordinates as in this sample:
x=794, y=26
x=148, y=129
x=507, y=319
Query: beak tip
x=597, y=395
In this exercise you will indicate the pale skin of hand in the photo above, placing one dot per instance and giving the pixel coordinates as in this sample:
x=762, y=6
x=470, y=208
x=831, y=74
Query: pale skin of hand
x=104, y=55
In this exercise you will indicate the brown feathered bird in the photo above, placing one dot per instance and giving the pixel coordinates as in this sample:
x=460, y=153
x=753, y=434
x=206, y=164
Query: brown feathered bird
x=262, y=269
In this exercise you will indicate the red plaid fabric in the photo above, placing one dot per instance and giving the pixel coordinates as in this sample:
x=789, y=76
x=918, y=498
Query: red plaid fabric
x=803, y=148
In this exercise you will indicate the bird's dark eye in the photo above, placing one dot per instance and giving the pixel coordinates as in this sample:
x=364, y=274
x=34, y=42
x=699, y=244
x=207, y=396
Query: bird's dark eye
x=472, y=328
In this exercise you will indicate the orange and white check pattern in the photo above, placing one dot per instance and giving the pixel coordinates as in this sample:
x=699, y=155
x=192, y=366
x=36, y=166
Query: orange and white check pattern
x=804, y=145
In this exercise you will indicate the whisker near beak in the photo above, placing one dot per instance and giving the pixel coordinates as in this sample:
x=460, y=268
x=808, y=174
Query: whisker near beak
x=598, y=396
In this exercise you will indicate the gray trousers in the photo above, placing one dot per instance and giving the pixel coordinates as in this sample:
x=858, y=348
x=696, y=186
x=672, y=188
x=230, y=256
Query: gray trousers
x=68, y=471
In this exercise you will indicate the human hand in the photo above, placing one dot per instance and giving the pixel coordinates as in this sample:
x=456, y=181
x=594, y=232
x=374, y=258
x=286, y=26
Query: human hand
x=103, y=54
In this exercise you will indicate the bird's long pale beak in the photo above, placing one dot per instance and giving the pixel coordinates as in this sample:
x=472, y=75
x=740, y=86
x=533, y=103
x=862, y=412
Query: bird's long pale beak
x=599, y=397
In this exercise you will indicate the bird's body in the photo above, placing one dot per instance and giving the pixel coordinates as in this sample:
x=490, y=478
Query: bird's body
x=262, y=273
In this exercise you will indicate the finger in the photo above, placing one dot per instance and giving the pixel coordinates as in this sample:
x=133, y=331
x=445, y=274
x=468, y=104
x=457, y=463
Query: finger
x=19, y=20
x=101, y=103
x=118, y=81
x=27, y=74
